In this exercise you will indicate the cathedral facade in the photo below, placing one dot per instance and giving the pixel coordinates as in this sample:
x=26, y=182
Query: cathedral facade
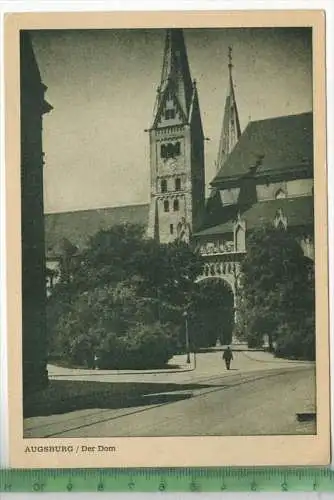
x=264, y=175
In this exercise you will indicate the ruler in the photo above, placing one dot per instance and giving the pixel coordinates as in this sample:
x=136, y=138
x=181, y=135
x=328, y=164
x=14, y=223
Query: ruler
x=167, y=480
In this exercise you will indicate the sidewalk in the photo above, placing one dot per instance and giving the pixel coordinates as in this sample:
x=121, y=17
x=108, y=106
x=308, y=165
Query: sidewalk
x=203, y=365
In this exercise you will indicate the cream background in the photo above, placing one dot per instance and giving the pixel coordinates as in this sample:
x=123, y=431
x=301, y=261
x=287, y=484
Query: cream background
x=278, y=450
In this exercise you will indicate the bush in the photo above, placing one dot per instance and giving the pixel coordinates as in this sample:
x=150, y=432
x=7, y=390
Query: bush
x=117, y=326
x=142, y=347
x=296, y=341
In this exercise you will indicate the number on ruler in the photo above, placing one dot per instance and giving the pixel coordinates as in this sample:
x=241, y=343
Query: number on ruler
x=69, y=486
x=253, y=486
x=284, y=486
x=194, y=486
x=38, y=487
x=100, y=486
x=162, y=486
x=131, y=485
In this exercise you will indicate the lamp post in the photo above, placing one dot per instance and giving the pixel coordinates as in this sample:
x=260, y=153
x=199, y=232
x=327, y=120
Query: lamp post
x=185, y=314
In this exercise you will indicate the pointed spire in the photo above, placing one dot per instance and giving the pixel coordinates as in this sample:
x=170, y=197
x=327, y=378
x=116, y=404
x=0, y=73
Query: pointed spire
x=231, y=125
x=175, y=69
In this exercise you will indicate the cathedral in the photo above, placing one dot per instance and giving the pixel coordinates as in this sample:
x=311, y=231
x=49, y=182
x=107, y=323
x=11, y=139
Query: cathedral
x=264, y=175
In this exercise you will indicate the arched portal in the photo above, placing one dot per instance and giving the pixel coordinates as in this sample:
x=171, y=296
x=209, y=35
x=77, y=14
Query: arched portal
x=213, y=312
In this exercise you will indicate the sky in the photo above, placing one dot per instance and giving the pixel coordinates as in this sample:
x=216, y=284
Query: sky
x=102, y=86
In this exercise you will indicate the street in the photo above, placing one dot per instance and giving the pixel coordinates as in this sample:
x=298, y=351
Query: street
x=259, y=395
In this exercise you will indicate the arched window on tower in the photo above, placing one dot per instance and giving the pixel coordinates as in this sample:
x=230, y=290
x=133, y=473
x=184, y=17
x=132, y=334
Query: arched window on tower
x=170, y=150
x=178, y=184
x=163, y=185
x=176, y=205
x=166, y=206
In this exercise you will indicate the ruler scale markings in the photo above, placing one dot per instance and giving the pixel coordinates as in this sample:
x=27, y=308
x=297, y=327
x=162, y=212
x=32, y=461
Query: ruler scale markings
x=168, y=480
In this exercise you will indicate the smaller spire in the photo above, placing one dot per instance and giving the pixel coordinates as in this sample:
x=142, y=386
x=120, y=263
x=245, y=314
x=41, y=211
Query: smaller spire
x=230, y=65
x=231, y=125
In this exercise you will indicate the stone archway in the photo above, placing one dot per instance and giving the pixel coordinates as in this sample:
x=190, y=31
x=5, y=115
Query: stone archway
x=213, y=313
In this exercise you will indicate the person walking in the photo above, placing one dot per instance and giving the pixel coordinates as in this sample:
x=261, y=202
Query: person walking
x=227, y=357
x=95, y=362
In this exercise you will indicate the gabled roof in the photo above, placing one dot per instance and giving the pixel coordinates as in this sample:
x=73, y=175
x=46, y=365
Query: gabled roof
x=183, y=115
x=77, y=227
x=275, y=144
x=299, y=212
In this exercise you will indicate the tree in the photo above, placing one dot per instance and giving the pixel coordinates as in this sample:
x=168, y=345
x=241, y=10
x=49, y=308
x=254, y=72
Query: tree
x=277, y=293
x=123, y=287
x=111, y=323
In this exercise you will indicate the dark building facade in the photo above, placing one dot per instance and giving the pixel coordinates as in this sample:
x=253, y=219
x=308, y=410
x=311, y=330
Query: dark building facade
x=33, y=106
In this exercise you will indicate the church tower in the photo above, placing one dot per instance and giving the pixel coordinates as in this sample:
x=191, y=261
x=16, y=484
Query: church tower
x=176, y=149
x=229, y=136
x=231, y=131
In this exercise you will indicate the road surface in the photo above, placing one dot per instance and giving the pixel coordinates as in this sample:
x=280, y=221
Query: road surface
x=250, y=402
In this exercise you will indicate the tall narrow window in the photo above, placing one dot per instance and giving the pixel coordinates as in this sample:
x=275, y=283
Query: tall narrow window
x=170, y=150
x=239, y=240
x=169, y=114
x=176, y=205
x=171, y=228
x=166, y=206
x=177, y=148
x=163, y=185
x=163, y=153
x=177, y=184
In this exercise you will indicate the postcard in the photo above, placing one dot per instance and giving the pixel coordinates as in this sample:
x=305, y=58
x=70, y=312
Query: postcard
x=167, y=279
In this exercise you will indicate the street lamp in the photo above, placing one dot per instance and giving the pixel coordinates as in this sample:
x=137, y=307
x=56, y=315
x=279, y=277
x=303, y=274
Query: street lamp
x=185, y=314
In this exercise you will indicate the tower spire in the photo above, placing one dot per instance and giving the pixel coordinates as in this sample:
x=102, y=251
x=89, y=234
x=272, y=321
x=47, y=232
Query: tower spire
x=175, y=74
x=231, y=131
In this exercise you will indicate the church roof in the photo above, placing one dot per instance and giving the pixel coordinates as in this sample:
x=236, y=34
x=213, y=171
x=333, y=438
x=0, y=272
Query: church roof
x=299, y=212
x=275, y=144
x=78, y=226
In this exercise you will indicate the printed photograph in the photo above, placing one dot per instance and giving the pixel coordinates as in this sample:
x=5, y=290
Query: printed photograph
x=168, y=255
